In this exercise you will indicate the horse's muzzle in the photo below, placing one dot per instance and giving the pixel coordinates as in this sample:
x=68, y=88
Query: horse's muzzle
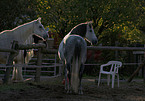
x=94, y=42
x=45, y=36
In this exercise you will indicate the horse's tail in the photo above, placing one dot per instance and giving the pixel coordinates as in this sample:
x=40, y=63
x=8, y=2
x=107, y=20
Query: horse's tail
x=76, y=63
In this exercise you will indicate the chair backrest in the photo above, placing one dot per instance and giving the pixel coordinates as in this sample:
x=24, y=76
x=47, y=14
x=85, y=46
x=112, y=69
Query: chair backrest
x=115, y=66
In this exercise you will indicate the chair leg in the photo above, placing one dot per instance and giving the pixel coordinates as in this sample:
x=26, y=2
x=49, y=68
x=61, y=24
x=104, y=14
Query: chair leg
x=99, y=79
x=108, y=79
x=113, y=78
x=118, y=79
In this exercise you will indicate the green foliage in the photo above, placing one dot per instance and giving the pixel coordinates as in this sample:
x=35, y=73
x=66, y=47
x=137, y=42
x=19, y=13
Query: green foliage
x=14, y=13
x=114, y=20
x=111, y=18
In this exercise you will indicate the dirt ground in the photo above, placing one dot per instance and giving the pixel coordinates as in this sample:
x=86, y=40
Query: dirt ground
x=53, y=90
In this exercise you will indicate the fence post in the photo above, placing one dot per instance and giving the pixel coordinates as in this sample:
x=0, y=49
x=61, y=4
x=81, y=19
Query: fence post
x=144, y=69
x=55, y=66
x=144, y=74
x=116, y=52
x=10, y=62
x=39, y=63
x=136, y=71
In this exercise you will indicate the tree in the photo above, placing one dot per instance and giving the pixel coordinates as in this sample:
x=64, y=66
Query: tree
x=15, y=12
x=62, y=15
x=111, y=18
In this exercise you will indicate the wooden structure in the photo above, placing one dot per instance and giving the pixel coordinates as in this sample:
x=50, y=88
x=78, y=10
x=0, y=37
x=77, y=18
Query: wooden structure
x=116, y=48
x=44, y=49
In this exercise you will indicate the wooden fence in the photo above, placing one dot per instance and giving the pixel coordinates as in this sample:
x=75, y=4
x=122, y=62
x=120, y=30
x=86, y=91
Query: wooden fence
x=44, y=49
x=116, y=48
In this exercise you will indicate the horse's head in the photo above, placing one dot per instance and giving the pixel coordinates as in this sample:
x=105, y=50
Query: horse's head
x=86, y=31
x=39, y=29
x=90, y=34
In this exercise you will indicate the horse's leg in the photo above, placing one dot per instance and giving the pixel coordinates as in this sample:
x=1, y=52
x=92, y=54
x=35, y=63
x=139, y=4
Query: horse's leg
x=80, y=78
x=69, y=77
x=14, y=73
x=66, y=83
x=17, y=72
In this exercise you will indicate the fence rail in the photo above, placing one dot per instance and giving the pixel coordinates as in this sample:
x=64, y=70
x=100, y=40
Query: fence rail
x=15, y=47
x=122, y=64
x=44, y=49
x=116, y=48
x=36, y=46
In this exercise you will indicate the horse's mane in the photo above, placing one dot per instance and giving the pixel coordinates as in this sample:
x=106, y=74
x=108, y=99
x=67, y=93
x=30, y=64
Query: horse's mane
x=16, y=27
x=80, y=29
x=19, y=26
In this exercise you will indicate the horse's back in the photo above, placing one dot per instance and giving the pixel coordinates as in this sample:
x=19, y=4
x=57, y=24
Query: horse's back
x=6, y=39
x=75, y=41
x=75, y=46
x=5, y=43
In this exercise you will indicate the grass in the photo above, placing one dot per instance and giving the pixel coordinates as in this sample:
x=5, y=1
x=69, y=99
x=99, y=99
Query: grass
x=14, y=86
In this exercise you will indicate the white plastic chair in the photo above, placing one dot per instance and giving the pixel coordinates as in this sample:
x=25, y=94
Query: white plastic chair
x=113, y=71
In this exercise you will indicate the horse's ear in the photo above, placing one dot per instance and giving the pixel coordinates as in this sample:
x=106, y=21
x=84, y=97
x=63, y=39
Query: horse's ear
x=90, y=22
x=39, y=20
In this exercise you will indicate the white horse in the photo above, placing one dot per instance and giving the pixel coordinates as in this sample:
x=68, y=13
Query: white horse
x=20, y=34
x=25, y=56
x=73, y=49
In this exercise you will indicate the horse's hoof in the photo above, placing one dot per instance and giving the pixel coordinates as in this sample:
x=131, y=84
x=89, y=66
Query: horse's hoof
x=69, y=92
x=80, y=92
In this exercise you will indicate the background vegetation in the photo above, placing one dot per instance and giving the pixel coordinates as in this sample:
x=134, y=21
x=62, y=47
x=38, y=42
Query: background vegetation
x=119, y=20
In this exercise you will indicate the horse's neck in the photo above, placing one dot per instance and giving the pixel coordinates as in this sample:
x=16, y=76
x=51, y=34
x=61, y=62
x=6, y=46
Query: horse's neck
x=82, y=34
x=23, y=32
x=78, y=34
x=79, y=30
x=29, y=40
